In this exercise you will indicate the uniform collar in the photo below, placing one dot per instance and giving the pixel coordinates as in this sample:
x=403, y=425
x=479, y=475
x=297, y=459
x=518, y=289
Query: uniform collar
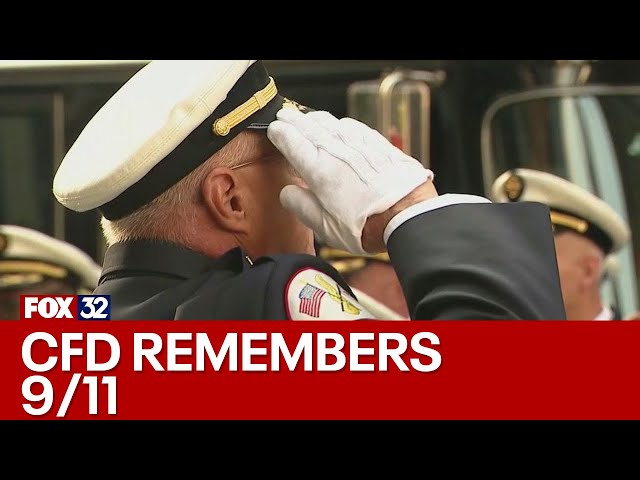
x=157, y=258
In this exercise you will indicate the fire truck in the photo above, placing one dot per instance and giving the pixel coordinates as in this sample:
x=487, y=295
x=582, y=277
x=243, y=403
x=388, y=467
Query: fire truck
x=468, y=120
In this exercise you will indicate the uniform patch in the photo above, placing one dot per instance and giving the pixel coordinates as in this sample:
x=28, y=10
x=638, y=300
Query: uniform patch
x=313, y=295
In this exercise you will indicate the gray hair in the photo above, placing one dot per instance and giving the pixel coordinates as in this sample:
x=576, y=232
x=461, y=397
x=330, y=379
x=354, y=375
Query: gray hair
x=165, y=218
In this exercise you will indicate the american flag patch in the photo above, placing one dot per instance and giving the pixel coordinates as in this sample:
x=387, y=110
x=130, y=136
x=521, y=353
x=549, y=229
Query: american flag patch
x=311, y=300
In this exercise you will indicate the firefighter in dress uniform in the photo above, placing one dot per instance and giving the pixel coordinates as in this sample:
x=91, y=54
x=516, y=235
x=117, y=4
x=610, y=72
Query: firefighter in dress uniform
x=588, y=234
x=213, y=186
x=32, y=263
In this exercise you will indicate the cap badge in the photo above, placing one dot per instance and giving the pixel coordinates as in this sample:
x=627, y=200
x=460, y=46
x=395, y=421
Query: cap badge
x=513, y=188
x=295, y=105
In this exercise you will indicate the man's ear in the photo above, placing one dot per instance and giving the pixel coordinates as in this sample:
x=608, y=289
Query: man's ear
x=592, y=270
x=224, y=200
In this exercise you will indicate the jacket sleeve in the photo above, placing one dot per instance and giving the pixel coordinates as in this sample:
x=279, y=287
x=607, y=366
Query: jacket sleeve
x=479, y=262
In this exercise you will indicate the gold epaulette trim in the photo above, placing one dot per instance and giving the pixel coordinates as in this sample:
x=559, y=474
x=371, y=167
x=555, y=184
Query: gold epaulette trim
x=223, y=126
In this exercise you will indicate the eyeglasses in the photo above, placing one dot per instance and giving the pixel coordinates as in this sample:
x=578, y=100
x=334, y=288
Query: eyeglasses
x=246, y=165
x=255, y=162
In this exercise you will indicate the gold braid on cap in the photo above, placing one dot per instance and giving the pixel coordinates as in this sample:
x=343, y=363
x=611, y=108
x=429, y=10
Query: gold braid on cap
x=223, y=126
x=29, y=266
x=346, y=263
x=334, y=254
x=345, y=267
x=568, y=221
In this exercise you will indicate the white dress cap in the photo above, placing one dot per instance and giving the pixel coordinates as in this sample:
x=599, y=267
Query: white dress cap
x=572, y=207
x=161, y=125
x=27, y=251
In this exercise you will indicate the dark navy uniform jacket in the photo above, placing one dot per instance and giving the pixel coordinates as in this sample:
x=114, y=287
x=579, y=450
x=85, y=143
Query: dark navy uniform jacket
x=462, y=262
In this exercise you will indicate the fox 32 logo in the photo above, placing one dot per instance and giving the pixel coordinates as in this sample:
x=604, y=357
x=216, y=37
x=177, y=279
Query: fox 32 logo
x=79, y=307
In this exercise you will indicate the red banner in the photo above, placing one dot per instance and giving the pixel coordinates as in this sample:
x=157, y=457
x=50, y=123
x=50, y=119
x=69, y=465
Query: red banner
x=56, y=369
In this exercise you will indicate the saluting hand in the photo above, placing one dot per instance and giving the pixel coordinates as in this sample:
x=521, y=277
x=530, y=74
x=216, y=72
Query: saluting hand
x=356, y=178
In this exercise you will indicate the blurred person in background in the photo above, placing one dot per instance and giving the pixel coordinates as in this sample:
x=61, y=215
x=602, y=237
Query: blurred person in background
x=32, y=263
x=373, y=279
x=588, y=234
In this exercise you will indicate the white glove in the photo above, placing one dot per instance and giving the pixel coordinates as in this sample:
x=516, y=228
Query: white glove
x=352, y=171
